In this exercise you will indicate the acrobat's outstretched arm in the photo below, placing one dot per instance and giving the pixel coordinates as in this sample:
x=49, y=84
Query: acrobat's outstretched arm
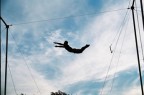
x=58, y=43
x=60, y=46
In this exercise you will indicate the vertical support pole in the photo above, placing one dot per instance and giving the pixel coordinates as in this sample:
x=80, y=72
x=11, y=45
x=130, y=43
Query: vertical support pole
x=6, y=60
x=141, y=4
x=132, y=8
x=0, y=51
x=0, y=59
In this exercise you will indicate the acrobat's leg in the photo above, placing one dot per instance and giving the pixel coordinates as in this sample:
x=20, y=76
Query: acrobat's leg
x=83, y=48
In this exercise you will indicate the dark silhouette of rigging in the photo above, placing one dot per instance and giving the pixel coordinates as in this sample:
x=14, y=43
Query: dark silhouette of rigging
x=70, y=49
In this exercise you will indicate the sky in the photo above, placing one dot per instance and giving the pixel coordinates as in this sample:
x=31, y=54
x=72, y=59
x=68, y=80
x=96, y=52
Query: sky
x=36, y=67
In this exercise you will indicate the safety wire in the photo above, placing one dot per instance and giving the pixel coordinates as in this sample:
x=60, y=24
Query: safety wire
x=32, y=76
x=72, y=16
x=139, y=33
x=120, y=31
x=113, y=80
x=101, y=92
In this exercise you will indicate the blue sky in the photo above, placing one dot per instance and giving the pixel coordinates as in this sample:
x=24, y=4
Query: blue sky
x=32, y=52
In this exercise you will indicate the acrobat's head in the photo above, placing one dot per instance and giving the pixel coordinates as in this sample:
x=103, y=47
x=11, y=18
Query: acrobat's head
x=65, y=42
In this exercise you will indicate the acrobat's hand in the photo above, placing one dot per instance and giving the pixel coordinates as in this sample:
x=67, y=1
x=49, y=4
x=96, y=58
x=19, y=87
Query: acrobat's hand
x=55, y=42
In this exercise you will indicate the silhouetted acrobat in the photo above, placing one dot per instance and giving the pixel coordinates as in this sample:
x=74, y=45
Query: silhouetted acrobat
x=70, y=49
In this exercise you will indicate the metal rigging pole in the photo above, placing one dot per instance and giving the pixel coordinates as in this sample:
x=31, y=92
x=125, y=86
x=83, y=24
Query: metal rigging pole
x=0, y=58
x=0, y=52
x=6, y=58
x=132, y=8
x=141, y=4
